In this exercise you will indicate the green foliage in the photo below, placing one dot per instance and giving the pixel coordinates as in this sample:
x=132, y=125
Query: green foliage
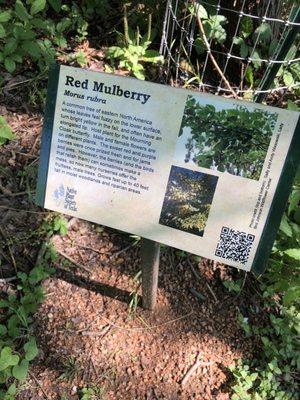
x=273, y=374
x=79, y=57
x=289, y=75
x=29, y=30
x=5, y=131
x=60, y=224
x=283, y=273
x=71, y=368
x=18, y=346
x=233, y=285
x=134, y=51
x=212, y=24
x=231, y=140
x=255, y=43
x=92, y=393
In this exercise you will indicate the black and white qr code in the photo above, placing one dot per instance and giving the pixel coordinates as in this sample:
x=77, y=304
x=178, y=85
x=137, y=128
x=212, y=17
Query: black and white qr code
x=234, y=245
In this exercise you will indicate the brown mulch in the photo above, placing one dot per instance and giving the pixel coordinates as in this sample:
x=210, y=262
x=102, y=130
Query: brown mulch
x=87, y=334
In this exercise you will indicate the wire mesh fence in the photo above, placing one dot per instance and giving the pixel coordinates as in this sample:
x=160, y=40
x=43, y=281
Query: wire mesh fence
x=239, y=48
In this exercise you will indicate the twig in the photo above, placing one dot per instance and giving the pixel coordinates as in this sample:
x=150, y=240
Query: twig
x=102, y=332
x=21, y=210
x=94, y=368
x=212, y=292
x=7, y=192
x=7, y=280
x=194, y=367
x=10, y=251
x=41, y=254
x=197, y=294
x=197, y=276
x=213, y=60
x=122, y=251
x=10, y=86
x=72, y=260
x=89, y=248
x=39, y=385
x=191, y=370
x=150, y=326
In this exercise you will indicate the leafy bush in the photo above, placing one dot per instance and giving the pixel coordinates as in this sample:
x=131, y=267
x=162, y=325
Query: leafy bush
x=17, y=342
x=283, y=272
x=31, y=30
x=212, y=25
x=19, y=307
x=273, y=374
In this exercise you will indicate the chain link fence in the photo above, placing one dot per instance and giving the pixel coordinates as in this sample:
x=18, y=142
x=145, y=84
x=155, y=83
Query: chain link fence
x=236, y=48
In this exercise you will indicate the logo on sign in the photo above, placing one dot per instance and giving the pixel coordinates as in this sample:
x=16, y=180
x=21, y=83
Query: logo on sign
x=70, y=201
x=65, y=197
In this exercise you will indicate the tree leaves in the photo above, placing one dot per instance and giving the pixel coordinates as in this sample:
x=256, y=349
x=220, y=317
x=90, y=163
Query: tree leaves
x=2, y=32
x=5, y=16
x=31, y=350
x=263, y=32
x=55, y=4
x=285, y=226
x=288, y=78
x=7, y=358
x=246, y=27
x=37, y=6
x=9, y=64
x=21, y=11
x=198, y=10
x=20, y=371
x=32, y=48
x=293, y=253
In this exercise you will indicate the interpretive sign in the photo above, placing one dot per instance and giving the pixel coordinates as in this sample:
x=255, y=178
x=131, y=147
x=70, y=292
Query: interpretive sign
x=195, y=171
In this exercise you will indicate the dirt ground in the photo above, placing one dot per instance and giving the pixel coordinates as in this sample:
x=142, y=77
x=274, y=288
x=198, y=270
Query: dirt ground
x=88, y=334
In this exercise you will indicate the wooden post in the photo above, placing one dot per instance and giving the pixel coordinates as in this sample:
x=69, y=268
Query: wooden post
x=150, y=264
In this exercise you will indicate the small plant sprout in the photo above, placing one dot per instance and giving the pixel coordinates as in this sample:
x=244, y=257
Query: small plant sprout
x=134, y=50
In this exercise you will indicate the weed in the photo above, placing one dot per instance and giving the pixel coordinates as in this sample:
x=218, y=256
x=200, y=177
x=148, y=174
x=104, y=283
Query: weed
x=133, y=304
x=233, y=285
x=79, y=57
x=134, y=51
x=92, y=393
x=28, y=178
x=71, y=369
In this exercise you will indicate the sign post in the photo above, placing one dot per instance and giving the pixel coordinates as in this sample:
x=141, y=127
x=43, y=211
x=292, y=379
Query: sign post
x=150, y=251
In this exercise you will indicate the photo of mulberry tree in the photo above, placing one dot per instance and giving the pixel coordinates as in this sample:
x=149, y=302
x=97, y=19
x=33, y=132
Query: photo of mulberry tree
x=234, y=140
x=188, y=200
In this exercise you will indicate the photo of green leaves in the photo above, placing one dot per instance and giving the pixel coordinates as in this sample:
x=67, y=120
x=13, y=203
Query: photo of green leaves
x=188, y=200
x=234, y=140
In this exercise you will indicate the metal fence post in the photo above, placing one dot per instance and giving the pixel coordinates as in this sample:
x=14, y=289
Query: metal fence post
x=150, y=265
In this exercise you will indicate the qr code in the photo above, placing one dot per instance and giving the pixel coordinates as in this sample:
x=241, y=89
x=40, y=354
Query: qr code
x=234, y=245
